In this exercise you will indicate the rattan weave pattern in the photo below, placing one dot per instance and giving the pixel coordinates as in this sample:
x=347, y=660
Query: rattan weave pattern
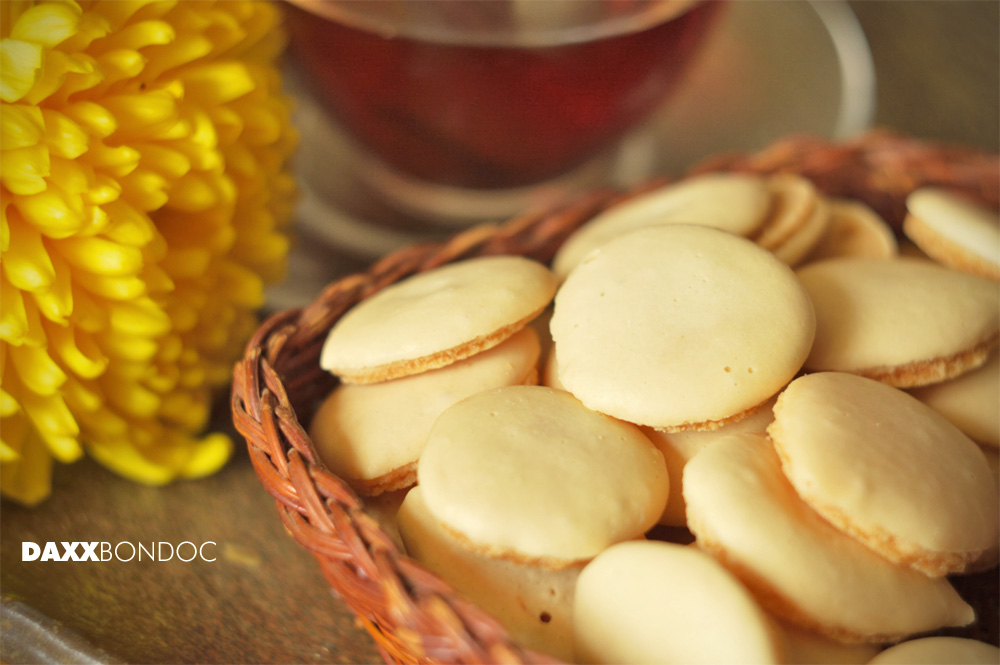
x=411, y=613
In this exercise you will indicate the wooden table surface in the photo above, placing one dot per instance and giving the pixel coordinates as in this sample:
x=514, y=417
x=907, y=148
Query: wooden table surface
x=263, y=600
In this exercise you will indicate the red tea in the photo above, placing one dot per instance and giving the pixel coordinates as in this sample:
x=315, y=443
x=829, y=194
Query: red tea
x=491, y=116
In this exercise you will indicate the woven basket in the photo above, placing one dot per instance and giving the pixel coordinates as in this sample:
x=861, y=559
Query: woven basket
x=412, y=614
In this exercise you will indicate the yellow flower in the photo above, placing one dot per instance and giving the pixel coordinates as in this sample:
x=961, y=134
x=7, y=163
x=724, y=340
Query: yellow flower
x=145, y=191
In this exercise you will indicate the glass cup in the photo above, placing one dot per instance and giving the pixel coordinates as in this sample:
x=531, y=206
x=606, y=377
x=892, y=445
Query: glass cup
x=464, y=110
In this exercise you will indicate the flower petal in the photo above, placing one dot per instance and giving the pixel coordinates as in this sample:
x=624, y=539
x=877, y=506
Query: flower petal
x=77, y=351
x=29, y=479
x=36, y=369
x=218, y=82
x=19, y=62
x=54, y=424
x=112, y=288
x=128, y=226
x=23, y=170
x=89, y=312
x=8, y=405
x=13, y=318
x=26, y=262
x=82, y=397
x=20, y=126
x=138, y=35
x=101, y=256
x=132, y=348
x=64, y=137
x=210, y=454
x=47, y=24
x=57, y=69
x=129, y=398
x=56, y=302
x=185, y=409
x=96, y=118
x=140, y=317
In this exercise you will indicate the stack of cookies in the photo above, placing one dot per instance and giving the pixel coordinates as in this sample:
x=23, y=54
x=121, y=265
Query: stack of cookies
x=813, y=412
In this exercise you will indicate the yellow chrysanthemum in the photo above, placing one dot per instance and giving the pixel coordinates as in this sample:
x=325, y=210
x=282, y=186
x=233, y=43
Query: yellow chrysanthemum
x=143, y=151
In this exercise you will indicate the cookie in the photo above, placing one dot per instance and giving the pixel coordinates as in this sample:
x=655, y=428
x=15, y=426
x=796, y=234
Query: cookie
x=854, y=230
x=906, y=322
x=680, y=327
x=437, y=317
x=371, y=435
x=886, y=469
x=534, y=603
x=804, y=647
x=732, y=202
x=955, y=231
x=970, y=401
x=654, y=602
x=530, y=474
x=991, y=556
x=795, y=200
x=794, y=249
x=743, y=511
x=679, y=448
x=939, y=650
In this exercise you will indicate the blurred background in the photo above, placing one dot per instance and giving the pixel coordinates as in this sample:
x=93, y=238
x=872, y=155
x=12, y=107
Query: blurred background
x=938, y=67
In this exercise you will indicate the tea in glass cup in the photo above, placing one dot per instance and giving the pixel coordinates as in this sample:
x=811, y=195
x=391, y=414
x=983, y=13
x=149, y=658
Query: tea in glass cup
x=463, y=108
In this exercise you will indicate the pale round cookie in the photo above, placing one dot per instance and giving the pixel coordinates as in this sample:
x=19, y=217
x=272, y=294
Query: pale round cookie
x=732, y=202
x=437, y=317
x=804, y=647
x=384, y=509
x=939, y=650
x=371, y=435
x=906, y=322
x=743, y=511
x=795, y=199
x=954, y=231
x=680, y=326
x=991, y=556
x=534, y=603
x=799, y=244
x=886, y=469
x=854, y=230
x=679, y=448
x=654, y=602
x=970, y=401
x=529, y=473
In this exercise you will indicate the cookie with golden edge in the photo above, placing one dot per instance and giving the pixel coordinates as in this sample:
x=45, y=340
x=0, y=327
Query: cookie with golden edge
x=743, y=511
x=886, y=469
x=679, y=448
x=991, y=556
x=906, y=322
x=970, y=401
x=854, y=230
x=795, y=200
x=533, y=602
x=939, y=650
x=655, y=602
x=955, y=231
x=796, y=247
x=437, y=317
x=371, y=435
x=737, y=203
x=530, y=474
x=804, y=647
x=680, y=327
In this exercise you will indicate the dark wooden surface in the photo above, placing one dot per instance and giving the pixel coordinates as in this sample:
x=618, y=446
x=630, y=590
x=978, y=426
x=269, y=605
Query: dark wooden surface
x=263, y=600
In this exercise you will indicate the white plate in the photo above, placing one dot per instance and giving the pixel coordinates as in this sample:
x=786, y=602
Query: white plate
x=771, y=68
